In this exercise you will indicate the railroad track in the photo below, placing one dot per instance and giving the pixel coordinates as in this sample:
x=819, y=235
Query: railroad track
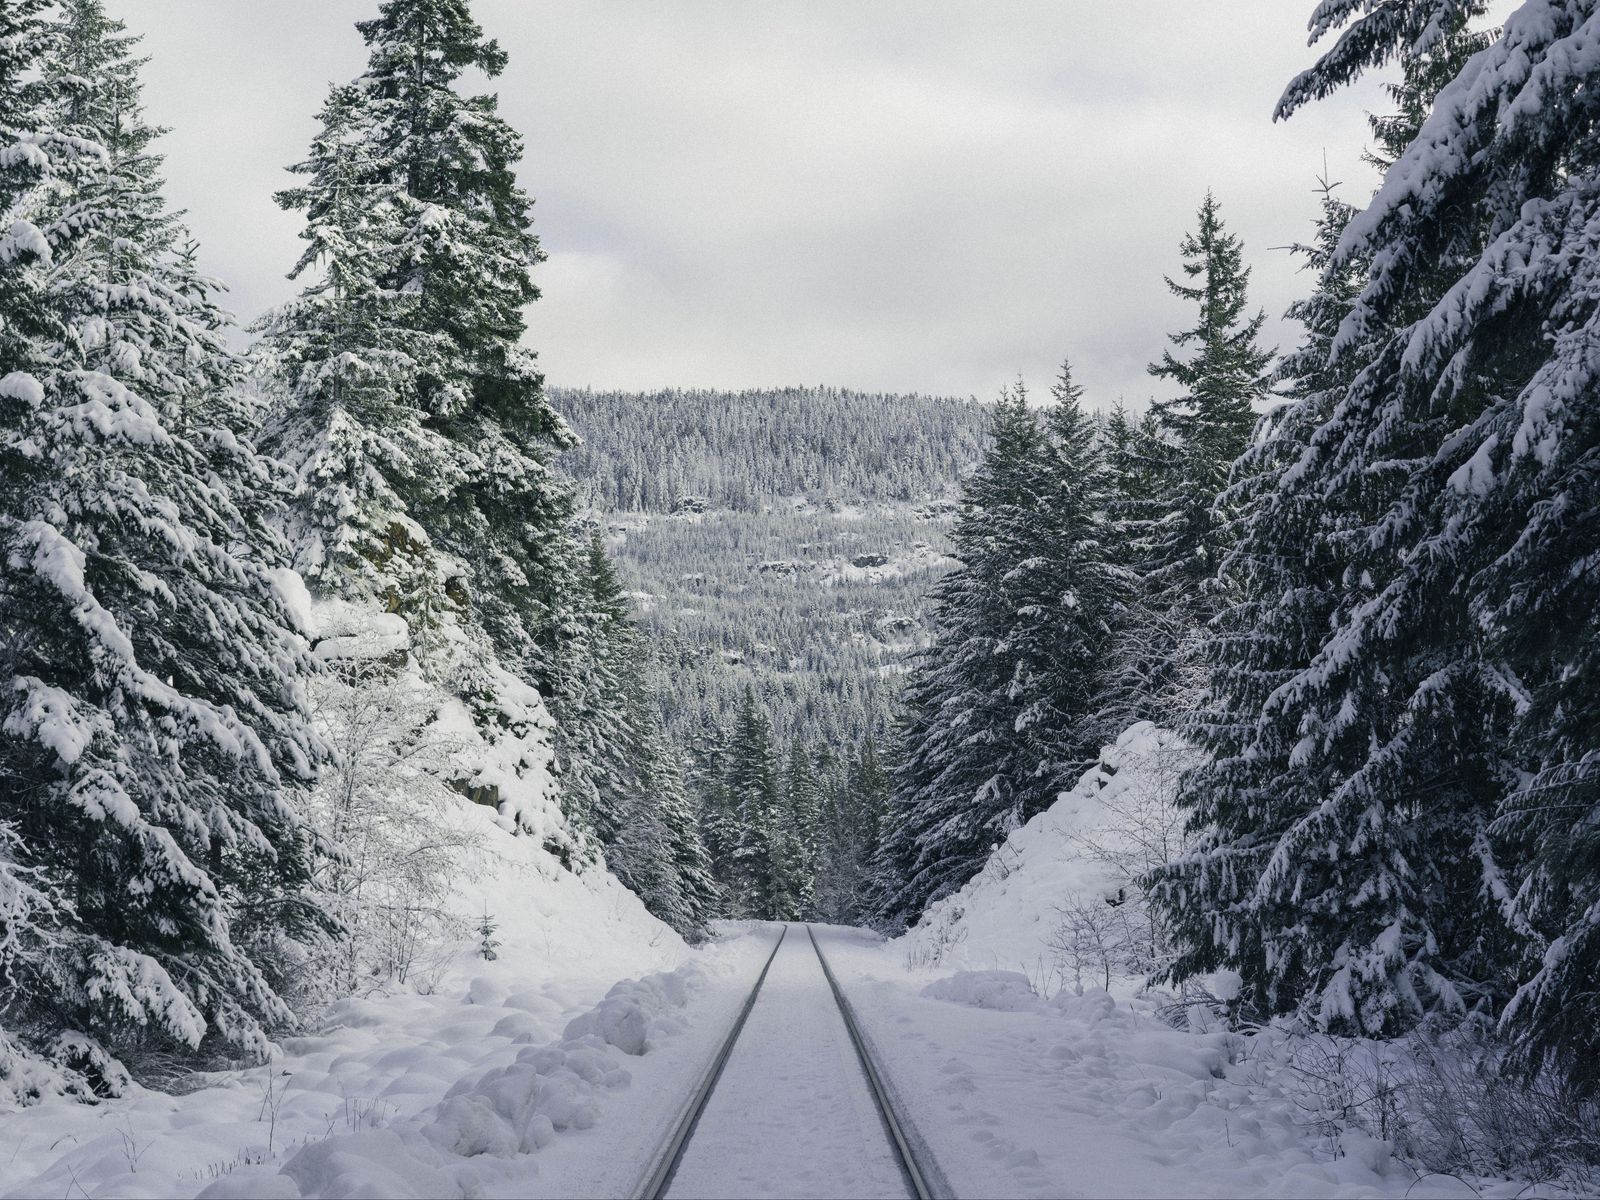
x=919, y=1173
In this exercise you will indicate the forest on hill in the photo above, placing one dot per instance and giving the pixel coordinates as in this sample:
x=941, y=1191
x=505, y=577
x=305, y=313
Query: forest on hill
x=777, y=548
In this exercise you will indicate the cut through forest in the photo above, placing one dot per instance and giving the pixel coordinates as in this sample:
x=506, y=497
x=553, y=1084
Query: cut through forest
x=407, y=764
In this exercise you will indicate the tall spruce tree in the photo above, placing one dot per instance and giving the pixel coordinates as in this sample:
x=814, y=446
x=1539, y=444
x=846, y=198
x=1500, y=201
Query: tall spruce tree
x=967, y=772
x=598, y=731
x=755, y=801
x=354, y=424
x=850, y=831
x=795, y=860
x=153, y=730
x=1445, y=772
x=1222, y=377
x=1080, y=589
x=467, y=258
x=414, y=330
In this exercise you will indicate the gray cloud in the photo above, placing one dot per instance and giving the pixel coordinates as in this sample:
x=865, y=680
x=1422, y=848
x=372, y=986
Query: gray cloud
x=900, y=194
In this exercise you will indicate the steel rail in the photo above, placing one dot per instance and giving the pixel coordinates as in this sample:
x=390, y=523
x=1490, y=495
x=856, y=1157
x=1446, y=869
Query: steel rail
x=916, y=1160
x=655, y=1183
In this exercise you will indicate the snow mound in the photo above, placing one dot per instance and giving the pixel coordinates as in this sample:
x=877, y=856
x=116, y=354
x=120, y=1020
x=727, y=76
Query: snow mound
x=481, y=1132
x=1004, y=919
x=1003, y=991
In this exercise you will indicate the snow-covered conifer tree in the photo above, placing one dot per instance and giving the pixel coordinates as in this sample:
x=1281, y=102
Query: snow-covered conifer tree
x=466, y=256
x=153, y=730
x=755, y=800
x=968, y=771
x=1209, y=424
x=353, y=423
x=1435, y=734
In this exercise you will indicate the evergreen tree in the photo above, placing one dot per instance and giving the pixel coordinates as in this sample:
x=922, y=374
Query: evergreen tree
x=1441, y=776
x=465, y=256
x=154, y=733
x=1284, y=572
x=795, y=858
x=354, y=425
x=699, y=897
x=753, y=796
x=598, y=730
x=416, y=420
x=1075, y=590
x=1143, y=679
x=707, y=779
x=968, y=771
x=850, y=830
x=1209, y=423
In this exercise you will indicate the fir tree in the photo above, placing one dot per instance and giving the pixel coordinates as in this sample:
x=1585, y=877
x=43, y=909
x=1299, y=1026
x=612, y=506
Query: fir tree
x=1075, y=592
x=1222, y=378
x=850, y=831
x=968, y=771
x=754, y=798
x=1433, y=758
x=354, y=426
x=154, y=735
x=466, y=257
x=598, y=732
x=795, y=862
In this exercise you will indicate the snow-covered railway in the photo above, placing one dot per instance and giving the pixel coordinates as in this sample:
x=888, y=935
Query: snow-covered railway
x=795, y=1102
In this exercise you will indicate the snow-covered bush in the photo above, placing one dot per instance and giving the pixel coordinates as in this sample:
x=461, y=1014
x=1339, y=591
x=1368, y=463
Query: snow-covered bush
x=393, y=850
x=1442, y=1101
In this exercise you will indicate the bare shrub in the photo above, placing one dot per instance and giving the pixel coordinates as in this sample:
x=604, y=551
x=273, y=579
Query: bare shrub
x=393, y=840
x=1092, y=937
x=1445, y=1105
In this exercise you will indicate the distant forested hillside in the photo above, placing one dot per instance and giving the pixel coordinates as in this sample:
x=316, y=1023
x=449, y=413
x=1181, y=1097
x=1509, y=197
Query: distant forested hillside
x=647, y=452
x=778, y=548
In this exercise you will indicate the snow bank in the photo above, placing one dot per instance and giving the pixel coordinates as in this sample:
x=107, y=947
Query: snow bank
x=481, y=1135
x=479, y=784
x=1004, y=991
x=1005, y=917
x=1019, y=1095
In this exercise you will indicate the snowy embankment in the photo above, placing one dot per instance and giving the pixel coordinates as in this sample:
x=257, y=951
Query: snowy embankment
x=527, y=1074
x=1085, y=849
x=1028, y=1079
x=445, y=1065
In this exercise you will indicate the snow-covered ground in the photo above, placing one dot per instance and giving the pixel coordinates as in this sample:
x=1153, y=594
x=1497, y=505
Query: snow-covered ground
x=1089, y=1096
x=526, y=1077
x=336, y=1107
x=537, y=1075
x=1083, y=848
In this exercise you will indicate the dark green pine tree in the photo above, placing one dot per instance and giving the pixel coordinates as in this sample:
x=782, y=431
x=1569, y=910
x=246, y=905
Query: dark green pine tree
x=1222, y=376
x=154, y=738
x=353, y=422
x=968, y=771
x=794, y=842
x=850, y=831
x=751, y=882
x=1075, y=590
x=1144, y=679
x=707, y=782
x=1405, y=878
x=698, y=899
x=598, y=737
x=1284, y=573
x=466, y=257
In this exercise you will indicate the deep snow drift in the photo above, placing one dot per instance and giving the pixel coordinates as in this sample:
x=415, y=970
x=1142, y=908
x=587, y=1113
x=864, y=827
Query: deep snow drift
x=380, y=1061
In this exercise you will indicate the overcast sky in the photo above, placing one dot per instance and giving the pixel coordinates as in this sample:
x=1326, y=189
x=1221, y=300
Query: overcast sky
x=906, y=195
